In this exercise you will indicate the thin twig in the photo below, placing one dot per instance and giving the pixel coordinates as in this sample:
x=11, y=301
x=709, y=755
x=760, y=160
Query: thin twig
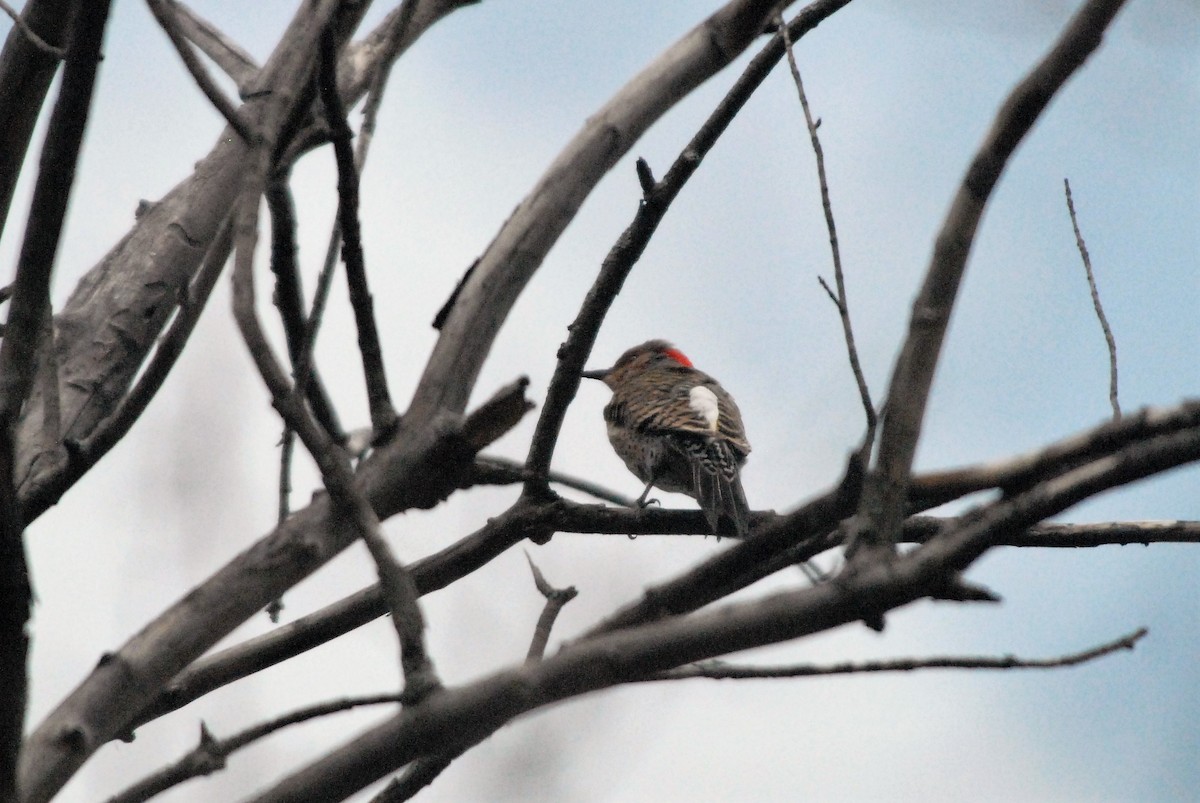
x=37, y=41
x=719, y=670
x=170, y=25
x=383, y=414
x=1091, y=280
x=494, y=470
x=839, y=299
x=556, y=598
x=885, y=495
x=210, y=754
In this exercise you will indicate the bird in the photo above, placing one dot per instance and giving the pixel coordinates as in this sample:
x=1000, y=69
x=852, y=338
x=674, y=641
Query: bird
x=677, y=429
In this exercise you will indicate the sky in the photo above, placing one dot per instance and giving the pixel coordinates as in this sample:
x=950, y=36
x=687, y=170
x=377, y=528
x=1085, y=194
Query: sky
x=474, y=114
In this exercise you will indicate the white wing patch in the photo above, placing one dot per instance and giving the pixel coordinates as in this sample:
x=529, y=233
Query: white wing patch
x=704, y=402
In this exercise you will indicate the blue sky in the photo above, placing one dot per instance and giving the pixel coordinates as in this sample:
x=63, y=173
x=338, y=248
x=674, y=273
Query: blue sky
x=475, y=113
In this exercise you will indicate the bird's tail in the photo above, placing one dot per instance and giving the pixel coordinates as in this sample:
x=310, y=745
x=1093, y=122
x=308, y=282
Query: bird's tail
x=719, y=489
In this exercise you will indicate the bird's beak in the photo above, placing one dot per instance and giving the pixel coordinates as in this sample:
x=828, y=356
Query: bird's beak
x=599, y=374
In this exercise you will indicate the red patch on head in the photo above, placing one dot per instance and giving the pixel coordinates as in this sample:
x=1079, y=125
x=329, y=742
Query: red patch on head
x=679, y=357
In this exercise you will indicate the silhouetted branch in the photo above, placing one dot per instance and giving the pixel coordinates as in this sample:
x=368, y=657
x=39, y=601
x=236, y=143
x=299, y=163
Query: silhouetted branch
x=383, y=415
x=556, y=598
x=886, y=491
x=28, y=32
x=1109, y=340
x=210, y=754
x=416, y=776
x=839, y=299
x=456, y=561
x=28, y=313
x=49, y=760
x=212, y=42
x=494, y=470
x=719, y=670
x=1014, y=474
x=26, y=72
x=167, y=21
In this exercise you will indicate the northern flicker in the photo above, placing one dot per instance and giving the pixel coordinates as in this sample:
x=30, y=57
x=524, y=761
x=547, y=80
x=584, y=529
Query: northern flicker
x=677, y=429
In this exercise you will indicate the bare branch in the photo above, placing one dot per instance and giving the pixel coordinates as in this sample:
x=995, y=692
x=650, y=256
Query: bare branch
x=719, y=670
x=21, y=25
x=122, y=304
x=28, y=313
x=200, y=75
x=919, y=529
x=383, y=414
x=887, y=486
x=839, y=300
x=458, y=560
x=225, y=53
x=1091, y=280
x=81, y=456
x=747, y=561
x=210, y=754
x=25, y=75
x=394, y=30
x=1023, y=471
x=494, y=470
x=556, y=598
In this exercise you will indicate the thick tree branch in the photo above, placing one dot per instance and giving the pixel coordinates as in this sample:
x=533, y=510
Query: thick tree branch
x=445, y=567
x=886, y=491
x=25, y=329
x=51, y=756
x=120, y=307
x=26, y=70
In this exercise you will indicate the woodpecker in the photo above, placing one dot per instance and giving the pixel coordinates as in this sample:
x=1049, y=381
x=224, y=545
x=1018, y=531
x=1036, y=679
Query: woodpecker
x=677, y=429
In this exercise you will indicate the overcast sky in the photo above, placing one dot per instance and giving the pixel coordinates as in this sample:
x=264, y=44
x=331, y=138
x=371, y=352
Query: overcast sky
x=475, y=112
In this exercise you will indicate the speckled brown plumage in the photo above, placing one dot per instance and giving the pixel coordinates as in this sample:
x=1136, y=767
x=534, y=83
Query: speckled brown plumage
x=677, y=429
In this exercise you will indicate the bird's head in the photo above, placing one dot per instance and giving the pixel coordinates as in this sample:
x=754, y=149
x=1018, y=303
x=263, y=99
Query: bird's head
x=651, y=354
